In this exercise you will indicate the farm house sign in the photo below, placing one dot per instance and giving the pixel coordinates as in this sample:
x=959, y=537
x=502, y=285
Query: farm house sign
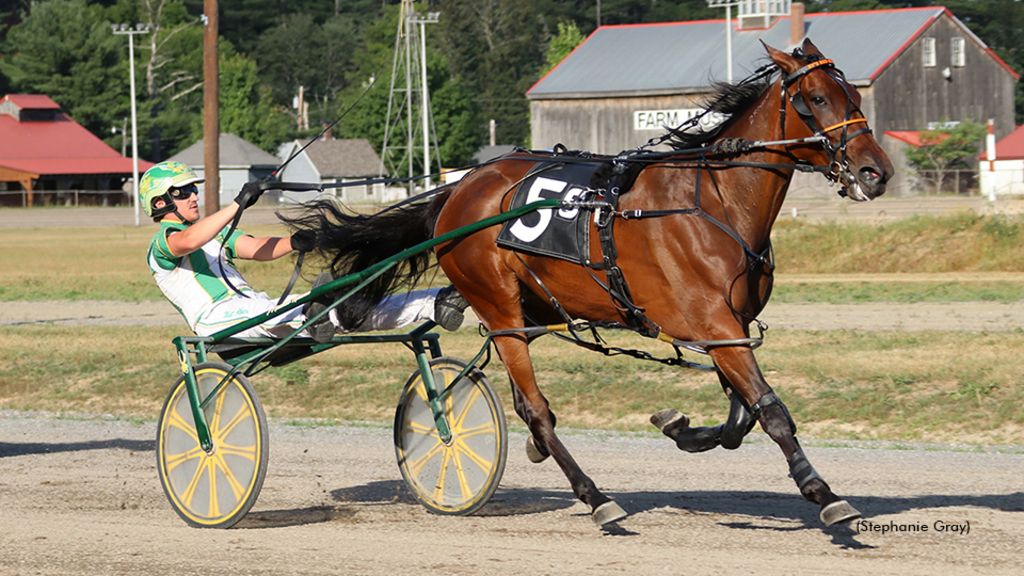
x=662, y=119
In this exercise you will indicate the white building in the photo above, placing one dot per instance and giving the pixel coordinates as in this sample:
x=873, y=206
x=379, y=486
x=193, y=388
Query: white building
x=1001, y=166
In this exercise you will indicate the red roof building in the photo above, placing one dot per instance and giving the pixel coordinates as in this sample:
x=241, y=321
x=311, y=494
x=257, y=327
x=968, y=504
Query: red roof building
x=1009, y=148
x=913, y=137
x=1004, y=175
x=42, y=149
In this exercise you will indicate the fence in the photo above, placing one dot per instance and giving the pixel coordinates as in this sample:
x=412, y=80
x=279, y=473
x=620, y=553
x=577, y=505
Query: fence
x=12, y=198
x=960, y=182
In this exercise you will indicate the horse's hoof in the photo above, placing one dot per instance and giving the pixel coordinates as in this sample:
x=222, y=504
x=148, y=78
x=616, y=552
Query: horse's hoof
x=670, y=422
x=607, y=513
x=533, y=452
x=838, y=512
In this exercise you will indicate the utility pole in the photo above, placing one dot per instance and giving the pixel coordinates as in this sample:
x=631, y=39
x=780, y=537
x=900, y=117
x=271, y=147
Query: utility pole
x=211, y=106
x=126, y=29
x=728, y=4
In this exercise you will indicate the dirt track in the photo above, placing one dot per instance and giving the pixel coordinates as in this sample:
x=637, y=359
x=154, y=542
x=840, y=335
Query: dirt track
x=970, y=316
x=82, y=497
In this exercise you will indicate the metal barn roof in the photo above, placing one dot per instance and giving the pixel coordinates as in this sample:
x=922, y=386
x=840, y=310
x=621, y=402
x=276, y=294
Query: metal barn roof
x=686, y=56
x=343, y=158
x=56, y=146
x=234, y=153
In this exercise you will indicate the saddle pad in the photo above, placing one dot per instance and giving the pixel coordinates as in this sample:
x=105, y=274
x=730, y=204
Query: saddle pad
x=558, y=233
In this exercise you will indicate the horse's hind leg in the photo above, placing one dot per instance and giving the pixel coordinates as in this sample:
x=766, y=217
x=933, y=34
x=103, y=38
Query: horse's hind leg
x=740, y=369
x=532, y=407
x=728, y=435
x=536, y=452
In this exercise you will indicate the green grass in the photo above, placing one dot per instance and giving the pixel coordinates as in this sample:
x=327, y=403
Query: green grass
x=844, y=385
x=862, y=292
x=896, y=386
x=109, y=263
x=963, y=242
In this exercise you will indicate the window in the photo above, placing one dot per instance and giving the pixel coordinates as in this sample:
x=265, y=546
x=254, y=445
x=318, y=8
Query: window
x=958, y=57
x=928, y=52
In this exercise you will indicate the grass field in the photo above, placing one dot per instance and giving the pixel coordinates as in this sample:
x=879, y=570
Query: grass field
x=914, y=386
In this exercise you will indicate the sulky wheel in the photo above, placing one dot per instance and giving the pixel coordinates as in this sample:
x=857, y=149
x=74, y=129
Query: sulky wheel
x=457, y=478
x=213, y=489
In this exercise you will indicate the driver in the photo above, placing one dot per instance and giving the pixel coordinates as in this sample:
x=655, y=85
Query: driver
x=193, y=270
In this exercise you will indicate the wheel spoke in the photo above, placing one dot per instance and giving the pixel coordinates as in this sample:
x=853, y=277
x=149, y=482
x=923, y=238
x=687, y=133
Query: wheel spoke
x=416, y=465
x=467, y=492
x=211, y=465
x=441, y=475
x=247, y=452
x=175, y=420
x=417, y=428
x=486, y=428
x=190, y=490
x=172, y=461
x=236, y=486
x=477, y=459
x=235, y=421
x=467, y=405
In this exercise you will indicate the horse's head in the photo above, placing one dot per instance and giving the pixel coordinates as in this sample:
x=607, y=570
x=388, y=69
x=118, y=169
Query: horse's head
x=817, y=98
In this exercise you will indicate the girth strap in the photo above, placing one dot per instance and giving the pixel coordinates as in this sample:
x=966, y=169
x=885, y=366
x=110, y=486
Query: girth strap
x=617, y=287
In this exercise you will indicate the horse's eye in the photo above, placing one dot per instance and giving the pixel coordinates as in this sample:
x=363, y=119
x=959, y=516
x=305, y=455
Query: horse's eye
x=817, y=100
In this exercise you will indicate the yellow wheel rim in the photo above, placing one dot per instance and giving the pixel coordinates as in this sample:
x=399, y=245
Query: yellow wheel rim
x=211, y=488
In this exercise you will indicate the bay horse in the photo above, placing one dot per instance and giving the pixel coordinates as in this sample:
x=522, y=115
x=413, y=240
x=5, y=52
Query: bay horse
x=688, y=260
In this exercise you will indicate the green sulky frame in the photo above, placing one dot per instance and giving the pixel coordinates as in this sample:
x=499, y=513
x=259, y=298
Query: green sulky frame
x=249, y=356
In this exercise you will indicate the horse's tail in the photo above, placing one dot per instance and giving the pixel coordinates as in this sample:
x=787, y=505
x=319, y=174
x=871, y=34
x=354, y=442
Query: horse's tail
x=350, y=243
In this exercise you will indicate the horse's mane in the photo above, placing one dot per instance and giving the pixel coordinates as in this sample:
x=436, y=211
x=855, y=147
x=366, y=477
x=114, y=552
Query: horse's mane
x=730, y=100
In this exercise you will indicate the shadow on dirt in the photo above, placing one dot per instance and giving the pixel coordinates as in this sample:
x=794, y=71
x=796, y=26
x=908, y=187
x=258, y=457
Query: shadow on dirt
x=770, y=511
x=9, y=449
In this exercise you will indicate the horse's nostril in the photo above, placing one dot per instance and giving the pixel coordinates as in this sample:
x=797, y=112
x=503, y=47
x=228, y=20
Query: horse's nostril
x=869, y=175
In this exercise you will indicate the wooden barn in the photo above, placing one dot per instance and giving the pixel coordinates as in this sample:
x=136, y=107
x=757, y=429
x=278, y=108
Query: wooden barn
x=915, y=68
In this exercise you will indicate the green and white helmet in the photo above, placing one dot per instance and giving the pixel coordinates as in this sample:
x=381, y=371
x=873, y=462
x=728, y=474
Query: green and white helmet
x=157, y=183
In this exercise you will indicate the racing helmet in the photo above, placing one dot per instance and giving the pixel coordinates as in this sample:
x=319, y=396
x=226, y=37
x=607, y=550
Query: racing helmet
x=157, y=183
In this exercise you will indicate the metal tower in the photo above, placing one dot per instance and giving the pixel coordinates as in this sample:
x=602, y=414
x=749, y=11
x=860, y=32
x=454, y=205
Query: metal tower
x=410, y=125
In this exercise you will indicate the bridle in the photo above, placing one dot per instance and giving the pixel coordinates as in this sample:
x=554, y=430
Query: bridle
x=839, y=167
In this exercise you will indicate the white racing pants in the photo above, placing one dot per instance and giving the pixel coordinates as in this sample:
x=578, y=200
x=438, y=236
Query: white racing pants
x=393, y=312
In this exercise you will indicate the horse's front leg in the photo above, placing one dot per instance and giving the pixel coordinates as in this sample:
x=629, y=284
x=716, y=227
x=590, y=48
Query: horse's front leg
x=532, y=407
x=738, y=366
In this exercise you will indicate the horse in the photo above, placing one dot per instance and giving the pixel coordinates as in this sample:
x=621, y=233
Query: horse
x=688, y=259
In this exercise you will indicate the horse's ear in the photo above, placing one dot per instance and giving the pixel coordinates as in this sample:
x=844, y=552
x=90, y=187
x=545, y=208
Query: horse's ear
x=784, y=61
x=809, y=47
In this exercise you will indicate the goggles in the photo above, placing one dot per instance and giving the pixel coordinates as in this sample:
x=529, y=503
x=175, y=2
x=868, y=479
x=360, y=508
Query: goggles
x=184, y=192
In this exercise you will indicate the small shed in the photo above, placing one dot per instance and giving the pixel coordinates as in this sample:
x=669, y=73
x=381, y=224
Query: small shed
x=335, y=161
x=240, y=162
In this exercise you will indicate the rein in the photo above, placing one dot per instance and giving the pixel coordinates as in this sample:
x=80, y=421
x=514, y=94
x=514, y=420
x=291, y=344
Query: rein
x=605, y=212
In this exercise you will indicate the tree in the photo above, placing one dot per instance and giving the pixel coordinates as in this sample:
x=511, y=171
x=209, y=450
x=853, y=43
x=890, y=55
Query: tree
x=457, y=119
x=299, y=52
x=246, y=107
x=65, y=50
x=566, y=41
x=496, y=46
x=946, y=149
